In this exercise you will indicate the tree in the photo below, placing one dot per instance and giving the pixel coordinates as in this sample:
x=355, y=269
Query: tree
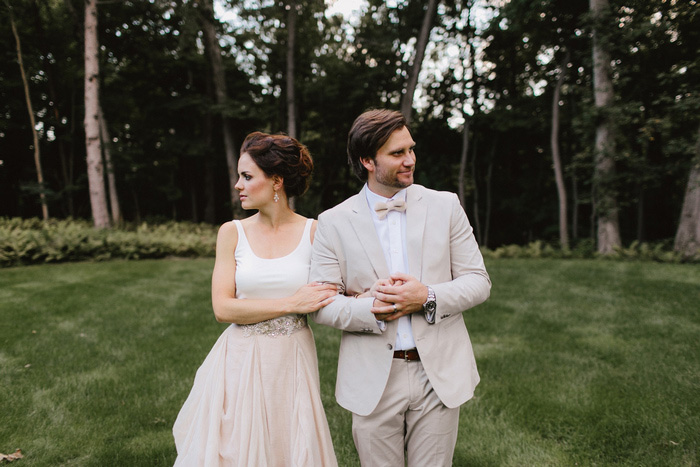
x=219, y=77
x=687, y=240
x=292, y=13
x=106, y=144
x=30, y=110
x=421, y=44
x=95, y=168
x=556, y=157
x=605, y=199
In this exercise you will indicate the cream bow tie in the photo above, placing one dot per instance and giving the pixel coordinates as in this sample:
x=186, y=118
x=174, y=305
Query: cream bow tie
x=383, y=209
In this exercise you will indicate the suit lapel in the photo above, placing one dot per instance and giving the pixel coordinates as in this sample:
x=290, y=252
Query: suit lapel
x=416, y=212
x=362, y=223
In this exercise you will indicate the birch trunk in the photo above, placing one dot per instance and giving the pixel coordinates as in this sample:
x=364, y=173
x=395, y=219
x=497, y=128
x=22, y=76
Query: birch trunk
x=291, y=95
x=95, y=169
x=421, y=44
x=687, y=240
x=291, y=43
x=32, y=120
x=605, y=199
x=556, y=158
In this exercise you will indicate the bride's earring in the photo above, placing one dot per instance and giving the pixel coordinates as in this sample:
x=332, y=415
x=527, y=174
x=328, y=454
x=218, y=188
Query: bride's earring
x=276, y=197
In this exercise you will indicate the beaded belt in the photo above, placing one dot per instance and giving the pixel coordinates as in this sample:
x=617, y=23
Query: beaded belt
x=277, y=327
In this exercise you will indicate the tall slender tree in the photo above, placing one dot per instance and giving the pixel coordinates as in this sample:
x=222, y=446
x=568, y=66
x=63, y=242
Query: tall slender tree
x=421, y=45
x=605, y=199
x=95, y=167
x=208, y=22
x=292, y=13
x=556, y=156
x=106, y=143
x=32, y=120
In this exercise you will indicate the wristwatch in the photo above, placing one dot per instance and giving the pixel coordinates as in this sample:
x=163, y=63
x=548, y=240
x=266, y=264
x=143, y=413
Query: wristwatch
x=430, y=306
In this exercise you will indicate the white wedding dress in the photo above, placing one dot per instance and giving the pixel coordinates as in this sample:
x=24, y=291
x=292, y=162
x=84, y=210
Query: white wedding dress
x=256, y=400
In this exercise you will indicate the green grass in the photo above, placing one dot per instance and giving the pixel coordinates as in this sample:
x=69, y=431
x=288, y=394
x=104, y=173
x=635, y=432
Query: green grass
x=582, y=362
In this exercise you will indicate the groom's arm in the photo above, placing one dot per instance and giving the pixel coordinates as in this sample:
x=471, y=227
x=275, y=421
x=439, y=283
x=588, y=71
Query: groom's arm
x=471, y=284
x=328, y=265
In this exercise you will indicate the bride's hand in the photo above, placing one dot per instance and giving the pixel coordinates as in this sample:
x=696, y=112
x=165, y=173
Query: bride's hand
x=313, y=296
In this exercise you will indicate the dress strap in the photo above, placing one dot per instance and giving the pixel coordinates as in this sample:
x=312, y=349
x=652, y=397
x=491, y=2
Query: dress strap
x=306, y=236
x=242, y=239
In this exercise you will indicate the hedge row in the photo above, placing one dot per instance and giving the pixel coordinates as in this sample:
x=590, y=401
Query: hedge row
x=32, y=241
x=585, y=249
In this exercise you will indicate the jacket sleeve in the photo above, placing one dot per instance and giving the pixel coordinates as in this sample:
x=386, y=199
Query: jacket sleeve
x=470, y=284
x=329, y=266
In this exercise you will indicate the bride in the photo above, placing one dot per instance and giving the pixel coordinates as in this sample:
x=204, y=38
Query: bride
x=255, y=400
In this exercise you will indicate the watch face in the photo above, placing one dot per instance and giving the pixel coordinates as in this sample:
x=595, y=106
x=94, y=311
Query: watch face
x=430, y=306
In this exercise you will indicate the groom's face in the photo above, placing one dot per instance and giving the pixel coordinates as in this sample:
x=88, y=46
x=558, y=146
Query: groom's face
x=392, y=168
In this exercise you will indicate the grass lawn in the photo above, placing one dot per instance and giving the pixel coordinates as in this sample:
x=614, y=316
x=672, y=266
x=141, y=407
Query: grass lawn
x=582, y=363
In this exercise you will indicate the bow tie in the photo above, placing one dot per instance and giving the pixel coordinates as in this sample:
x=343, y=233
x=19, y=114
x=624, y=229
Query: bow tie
x=383, y=209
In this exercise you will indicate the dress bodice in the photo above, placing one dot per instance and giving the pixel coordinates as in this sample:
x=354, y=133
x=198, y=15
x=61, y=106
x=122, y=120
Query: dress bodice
x=272, y=278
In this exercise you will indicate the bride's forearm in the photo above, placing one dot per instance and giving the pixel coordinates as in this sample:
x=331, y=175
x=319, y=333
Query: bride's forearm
x=250, y=311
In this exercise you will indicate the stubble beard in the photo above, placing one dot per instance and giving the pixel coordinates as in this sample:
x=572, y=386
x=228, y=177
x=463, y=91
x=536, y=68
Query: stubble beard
x=392, y=180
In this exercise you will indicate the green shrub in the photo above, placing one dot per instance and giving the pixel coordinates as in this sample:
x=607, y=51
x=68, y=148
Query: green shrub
x=31, y=241
x=585, y=249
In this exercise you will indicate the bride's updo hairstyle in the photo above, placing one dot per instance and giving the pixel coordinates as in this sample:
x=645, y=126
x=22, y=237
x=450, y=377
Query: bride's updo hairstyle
x=283, y=156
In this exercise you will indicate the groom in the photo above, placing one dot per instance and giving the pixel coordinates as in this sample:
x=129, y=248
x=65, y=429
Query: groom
x=406, y=258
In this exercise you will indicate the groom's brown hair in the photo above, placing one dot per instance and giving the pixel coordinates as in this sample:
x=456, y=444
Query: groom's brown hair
x=369, y=132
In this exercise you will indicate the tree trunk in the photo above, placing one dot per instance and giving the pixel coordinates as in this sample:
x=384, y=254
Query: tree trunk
x=219, y=78
x=489, y=176
x=574, y=207
x=556, y=158
x=111, y=182
x=463, y=161
x=464, y=154
x=291, y=95
x=421, y=44
x=209, y=174
x=291, y=41
x=32, y=120
x=688, y=235
x=605, y=198
x=477, y=219
x=95, y=169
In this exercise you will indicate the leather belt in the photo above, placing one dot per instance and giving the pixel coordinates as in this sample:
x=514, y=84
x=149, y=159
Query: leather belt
x=410, y=354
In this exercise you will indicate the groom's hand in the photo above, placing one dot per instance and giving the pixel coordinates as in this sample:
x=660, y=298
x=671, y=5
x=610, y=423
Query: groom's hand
x=401, y=296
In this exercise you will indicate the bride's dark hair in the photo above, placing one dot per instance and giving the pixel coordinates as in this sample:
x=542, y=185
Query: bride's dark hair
x=283, y=156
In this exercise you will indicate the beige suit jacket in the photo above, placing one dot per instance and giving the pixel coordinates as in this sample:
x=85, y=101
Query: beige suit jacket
x=442, y=253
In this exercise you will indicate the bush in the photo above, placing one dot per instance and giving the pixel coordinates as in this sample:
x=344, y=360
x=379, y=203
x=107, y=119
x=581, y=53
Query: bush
x=31, y=241
x=585, y=249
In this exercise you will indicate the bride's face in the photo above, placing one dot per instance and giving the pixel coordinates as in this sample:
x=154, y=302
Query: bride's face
x=255, y=188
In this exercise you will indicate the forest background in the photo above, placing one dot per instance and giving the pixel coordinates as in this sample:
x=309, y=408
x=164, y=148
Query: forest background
x=566, y=121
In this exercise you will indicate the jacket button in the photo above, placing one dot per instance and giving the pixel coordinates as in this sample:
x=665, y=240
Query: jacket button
x=389, y=346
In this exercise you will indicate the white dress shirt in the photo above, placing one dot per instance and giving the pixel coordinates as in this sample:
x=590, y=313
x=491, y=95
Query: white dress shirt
x=392, y=236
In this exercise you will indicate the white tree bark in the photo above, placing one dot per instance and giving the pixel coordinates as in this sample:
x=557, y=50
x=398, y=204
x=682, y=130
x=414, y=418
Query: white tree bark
x=421, y=44
x=291, y=44
x=605, y=200
x=688, y=234
x=95, y=168
x=556, y=158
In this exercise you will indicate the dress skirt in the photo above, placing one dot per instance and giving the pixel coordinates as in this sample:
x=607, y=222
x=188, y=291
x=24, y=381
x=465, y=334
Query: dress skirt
x=256, y=401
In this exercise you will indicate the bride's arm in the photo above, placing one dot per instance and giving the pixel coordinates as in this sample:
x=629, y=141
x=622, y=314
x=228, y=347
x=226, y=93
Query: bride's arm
x=229, y=309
